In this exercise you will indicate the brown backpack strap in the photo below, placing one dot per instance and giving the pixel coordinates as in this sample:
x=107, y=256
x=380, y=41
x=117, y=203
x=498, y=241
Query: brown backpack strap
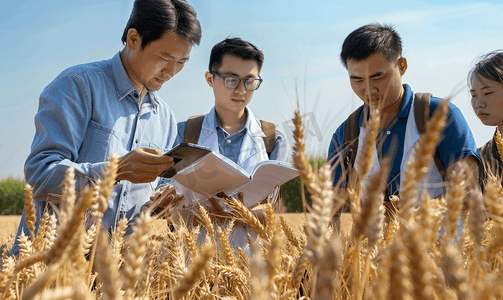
x=421, y=110
x=193, y=129
x=352, y=131
x=422, y=114
x=269, y=130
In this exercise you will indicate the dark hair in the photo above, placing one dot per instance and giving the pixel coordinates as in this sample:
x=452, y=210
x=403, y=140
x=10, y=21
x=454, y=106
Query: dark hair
x=370, y=39
x=152, y=18
x=489, y=66
x=236, y=47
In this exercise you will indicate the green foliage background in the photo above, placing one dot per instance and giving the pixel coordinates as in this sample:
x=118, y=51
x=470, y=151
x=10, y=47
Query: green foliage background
x=290, y=191
x=11, y=196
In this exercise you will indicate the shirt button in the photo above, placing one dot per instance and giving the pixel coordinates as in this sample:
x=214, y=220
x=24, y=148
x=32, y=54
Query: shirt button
x=124, y=194
x=388, y=132
x=136, y=141
x=135, y=95
x=228, y=141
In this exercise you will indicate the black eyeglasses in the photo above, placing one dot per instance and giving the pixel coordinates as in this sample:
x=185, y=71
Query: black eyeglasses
x=231, y=82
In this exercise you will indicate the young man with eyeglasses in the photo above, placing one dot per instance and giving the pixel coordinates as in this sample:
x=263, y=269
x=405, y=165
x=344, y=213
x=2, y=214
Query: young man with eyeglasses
x=230, y=128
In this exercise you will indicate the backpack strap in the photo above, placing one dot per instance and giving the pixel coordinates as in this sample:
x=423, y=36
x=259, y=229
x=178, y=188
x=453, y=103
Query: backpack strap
x=193, y=129
x=422, y=114
x=352, y=131
x=269, y=130
x=195, y=123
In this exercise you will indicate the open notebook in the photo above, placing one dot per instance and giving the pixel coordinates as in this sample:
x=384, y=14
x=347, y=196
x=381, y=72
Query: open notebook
x=207, y=173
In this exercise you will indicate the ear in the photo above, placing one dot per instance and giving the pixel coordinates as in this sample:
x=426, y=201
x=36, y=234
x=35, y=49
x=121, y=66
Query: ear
x=209, y=78
x=133, y=39
x=402, y=65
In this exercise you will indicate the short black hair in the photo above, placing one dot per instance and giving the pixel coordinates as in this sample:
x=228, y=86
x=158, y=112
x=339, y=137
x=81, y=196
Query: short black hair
x=237, y=47
x=489, y=66
x=152, y=18
x=370, y=39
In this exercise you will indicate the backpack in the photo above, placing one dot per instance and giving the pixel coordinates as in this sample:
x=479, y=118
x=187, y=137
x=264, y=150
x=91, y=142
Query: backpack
x=195, y=123
x=421, y=114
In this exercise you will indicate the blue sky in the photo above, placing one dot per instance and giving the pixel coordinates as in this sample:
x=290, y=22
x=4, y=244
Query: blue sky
x=301, y=41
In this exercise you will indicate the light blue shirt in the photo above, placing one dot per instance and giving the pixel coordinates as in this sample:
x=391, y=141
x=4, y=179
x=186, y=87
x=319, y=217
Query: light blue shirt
x=245, y=147
x=85, y=114
x=231, y=146
x=457, y=141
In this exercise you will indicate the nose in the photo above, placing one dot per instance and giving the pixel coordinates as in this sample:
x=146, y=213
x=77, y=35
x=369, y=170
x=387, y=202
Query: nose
x=479, y=102
x=170, y=69
x=369, y=89
x=240, y=89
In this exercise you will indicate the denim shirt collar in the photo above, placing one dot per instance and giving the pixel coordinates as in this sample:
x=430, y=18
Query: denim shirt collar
x=408, y=95
x=252, y=148
x=210, y=123
x=123, y=82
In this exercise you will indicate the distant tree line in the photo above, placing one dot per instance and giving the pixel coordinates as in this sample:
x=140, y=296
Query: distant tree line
x=12, y=193
x=11, y=196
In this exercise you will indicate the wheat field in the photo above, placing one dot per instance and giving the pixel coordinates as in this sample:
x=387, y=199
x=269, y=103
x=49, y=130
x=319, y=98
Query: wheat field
x=372, y=257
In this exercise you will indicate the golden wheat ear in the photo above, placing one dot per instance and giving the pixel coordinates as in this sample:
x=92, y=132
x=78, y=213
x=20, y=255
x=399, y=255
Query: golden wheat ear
x=68, y=196
x=228, y=254
x=300, y=160
x=195, y=271
x=30, y=213
x=499, y=143
x=417, y=167
x=134, y=259
x=370, y=221
x=456, y=191
x=245, y=215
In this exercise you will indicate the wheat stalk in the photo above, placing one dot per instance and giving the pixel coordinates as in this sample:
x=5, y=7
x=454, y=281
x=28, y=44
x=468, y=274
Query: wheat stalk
x=30, y=213
x=419, y=263
x=134, y=259
x=417, y=166
x=107, y=272
x=245, y=215
x=300, y=161
x=400, y=277
x=365, y=154
x=455, y=196
x=68, y=196
x=370, y=222
x=195, y=272
x=229, y=258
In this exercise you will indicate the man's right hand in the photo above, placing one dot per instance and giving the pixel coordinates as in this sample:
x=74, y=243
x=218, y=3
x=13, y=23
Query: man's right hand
x=143, y=165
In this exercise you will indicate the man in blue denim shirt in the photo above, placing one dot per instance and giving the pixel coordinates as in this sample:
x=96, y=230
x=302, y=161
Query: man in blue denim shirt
x=93, y=110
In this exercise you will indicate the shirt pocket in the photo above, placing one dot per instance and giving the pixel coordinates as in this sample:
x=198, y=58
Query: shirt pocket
x=156, y=146
x=98, y=144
